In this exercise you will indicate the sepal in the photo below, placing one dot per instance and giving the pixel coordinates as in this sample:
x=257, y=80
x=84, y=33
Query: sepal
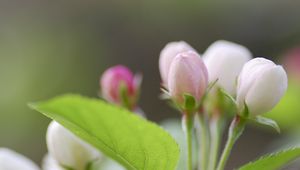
x=266, y=121
x=189, y=103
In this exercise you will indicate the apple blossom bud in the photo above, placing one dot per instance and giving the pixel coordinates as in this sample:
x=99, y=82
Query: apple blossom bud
x=120, y=86
x=261, y=85
x=292, y=63
x=188, y=75
x=69, y=150
x=224, y=61
x=10, y=160
x=167, y=54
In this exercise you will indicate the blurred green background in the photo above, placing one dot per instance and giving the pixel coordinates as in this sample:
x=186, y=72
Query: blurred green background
x=52, y=47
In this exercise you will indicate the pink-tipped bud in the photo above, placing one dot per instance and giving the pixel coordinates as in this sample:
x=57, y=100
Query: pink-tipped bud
x=120, y=86
x=167, y=54
x=292, y=63
x=188, y=75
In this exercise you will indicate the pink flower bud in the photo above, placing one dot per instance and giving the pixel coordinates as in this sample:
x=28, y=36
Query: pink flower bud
x=167, y=54
x=261, y=85
x=115, y=78
x=292, y=63
x=188, y=75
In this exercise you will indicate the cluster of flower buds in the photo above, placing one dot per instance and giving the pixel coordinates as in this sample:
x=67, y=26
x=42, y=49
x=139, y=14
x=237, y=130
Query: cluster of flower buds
x=121, y=87
x=227, y=71
x=260, y=85
x=255, y=86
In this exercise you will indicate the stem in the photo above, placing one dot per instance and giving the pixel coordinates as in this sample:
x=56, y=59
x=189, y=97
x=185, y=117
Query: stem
x=203, y=142
x=187, y=121
x=235, y=130
x=215, y=136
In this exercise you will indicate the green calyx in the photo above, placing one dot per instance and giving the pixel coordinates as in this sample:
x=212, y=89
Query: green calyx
x=190, y=104
x=127, y=100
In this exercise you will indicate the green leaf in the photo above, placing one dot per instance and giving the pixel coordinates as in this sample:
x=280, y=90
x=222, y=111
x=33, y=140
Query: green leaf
x=268, y=122
x=273, y=161
x=135, y=143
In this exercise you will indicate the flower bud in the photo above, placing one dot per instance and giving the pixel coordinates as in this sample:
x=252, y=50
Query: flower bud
x=69, y=150
x=167, y=54
x=292, y=63
x=261, y=85
x=10, y=160
x=188, y=75
x=224, y=61
x=120, y=86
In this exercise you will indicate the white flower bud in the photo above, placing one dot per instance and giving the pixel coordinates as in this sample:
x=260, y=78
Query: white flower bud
x=167, y=54
x=69, y=150
x=261, y=85
x=224, y=61
x=10, y=160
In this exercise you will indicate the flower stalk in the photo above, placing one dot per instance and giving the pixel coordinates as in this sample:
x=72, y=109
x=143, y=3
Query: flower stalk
x=203, y=142
x=216, y=131
x=187, y=122
x=236, y=129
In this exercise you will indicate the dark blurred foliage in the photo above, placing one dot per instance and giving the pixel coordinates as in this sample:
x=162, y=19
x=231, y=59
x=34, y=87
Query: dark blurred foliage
x=52, y=47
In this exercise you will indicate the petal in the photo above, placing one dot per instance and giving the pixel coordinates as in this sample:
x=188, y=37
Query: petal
x=10, y=160
x=68, y=149
x=267, y=90
x=50, y=164
x=167, y=54
x=188, y=74
x=250, y=72
x=224, y=61
x=111, y=80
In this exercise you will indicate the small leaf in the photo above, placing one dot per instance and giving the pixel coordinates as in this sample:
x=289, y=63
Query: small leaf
x=273, y=161
x=135, y=143
x=232, y=100
x=189, y=102
x=245, y=112
x=268, y=122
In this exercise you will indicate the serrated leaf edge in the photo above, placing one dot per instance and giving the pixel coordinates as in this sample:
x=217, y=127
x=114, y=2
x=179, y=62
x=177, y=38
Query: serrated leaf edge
x=269, y=155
